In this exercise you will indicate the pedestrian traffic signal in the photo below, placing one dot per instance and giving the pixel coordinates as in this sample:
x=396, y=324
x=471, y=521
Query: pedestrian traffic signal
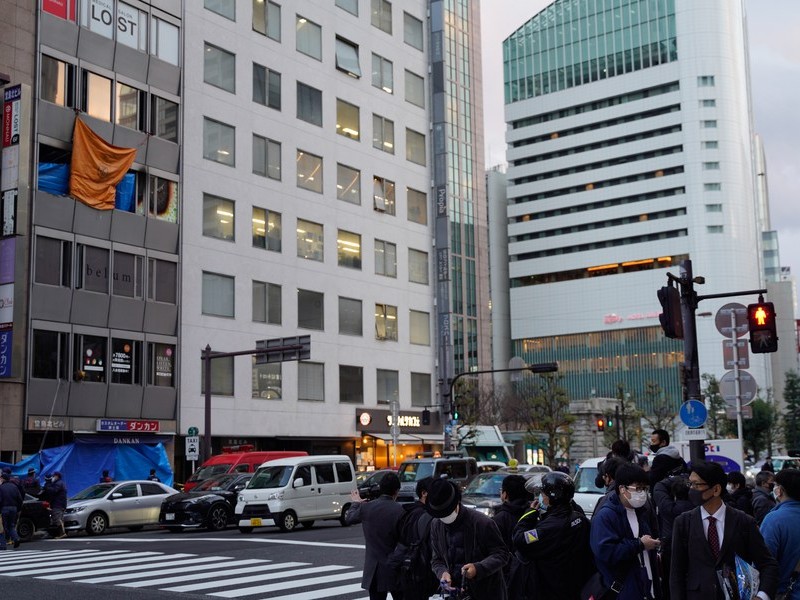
x=426, y=416
x=601, y=424
x=761, y=322
x=454, y=411
x=670, y=317
x=609, y=422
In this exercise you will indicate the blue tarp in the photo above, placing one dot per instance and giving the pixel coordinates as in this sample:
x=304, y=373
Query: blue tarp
x=54, y=179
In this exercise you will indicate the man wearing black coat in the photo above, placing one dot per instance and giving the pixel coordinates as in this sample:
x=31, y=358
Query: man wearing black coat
x=667, y=460
x=763, y=502
x=671, y=497
x=515, y=503
x=415, y=529
x=10, y=506
x=55, y=492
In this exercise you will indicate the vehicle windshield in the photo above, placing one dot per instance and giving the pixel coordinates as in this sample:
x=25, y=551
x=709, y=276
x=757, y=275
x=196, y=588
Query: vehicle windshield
x=785, y=463
x=270, y=477
x=217, y=483
x=486, y=484
x=210, y=471
x=363, y=476
x=96, y=491
x=415, y=471
x=584, y=481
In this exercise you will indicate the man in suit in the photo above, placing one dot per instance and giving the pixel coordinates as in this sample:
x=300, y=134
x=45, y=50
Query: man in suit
x=379, y=519
x=710, y=536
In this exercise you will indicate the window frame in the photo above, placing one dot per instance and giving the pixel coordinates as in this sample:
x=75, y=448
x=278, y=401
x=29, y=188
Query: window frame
x=305, y=29
x=222, y=207
x=416, y=83
x=271, y=220
x=271, y=19
x=343, y=188
x=310, y=248
x=344, y=121
x=271, y=168
x=347, y=57
x=386, y=200
x=305, y=320
x=218, y=72
x=382, y=247
x=384, y=329
x=383, y=134
x=218, y=306
x=409, y=19
x=309, y=104
x=350, y=326
x=415, y=318
x=272, y=302
x=208, y=152
x=351, y=375
x=343, y=255
x=414, y=141
x=272, y=86
x=155, y=267
x=381, y=15
x=416, y=260
x=382, y=70
x=316, y=161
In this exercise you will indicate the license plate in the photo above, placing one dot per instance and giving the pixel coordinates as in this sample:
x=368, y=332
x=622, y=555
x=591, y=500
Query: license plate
x=169, y=516
x=255, y=522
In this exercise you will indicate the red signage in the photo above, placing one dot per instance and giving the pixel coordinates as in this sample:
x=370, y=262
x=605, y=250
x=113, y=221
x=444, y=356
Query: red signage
x=64, y=9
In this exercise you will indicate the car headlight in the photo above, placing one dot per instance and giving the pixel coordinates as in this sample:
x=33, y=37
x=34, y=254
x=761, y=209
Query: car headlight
x=75, y=509
x=275, y=496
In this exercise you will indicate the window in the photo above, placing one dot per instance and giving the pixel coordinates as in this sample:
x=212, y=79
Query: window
x=90, y=358
x=417, y=266
x=714, y=208
x=712, y=187
x=350, y=6
x=711, y=166
x=310, y=310
x=219, y=68
x=164, y=41
x=343, y=472
x=309, y=171
x=420, y=389
x=710, y=145
x=161, y=365
x=57, y=82
x=267, y=19
x=162, y=200
x=351, y=384
x=383, y=195
x=347, y=119
x=382, y=15
x=221, y=376
x=311, y=381
x=218, y=295
x=131, y=26
x=267, y=381
x=714, y=229
x=266, y=157
x=383, y=134
x=310, y=241
x=266, y=229
x=50, y=355
x=415, y=146
x=218, y=218
x=417, y=203
x=225, y=8
x=128, y=275
x=382, y=74
x=97, y=96
x=162, y=280
x=385, y=322
x=267, y=305
x=126, y=361
x=91, y=268
x=164, y=119
x=53, y=262
x=387, y=386
x=415, y=89
x=347, y=57
x=130, y=23
x=385, y=258
x=219, y=142
x=309, y=104
x=266, y=86
x=705, y=81
x=709, y=124
x=420, y=328
x=348, y=247
x=348, y=184
x=350, y=317
x=412, y=31
x=708, y=103
x=309, y=38
x=129, y=108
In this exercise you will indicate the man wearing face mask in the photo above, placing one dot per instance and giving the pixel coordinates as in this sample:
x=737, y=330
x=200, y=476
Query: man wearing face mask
x=739, y=496
x=710, y=536
x=763, y=500
x=668, y=460
x=467, y=548
x=781, y=531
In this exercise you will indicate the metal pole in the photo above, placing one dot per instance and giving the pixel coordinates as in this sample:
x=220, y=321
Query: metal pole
x=697, y=448
x=619, y=424
x=207, y=385
x=737, y=388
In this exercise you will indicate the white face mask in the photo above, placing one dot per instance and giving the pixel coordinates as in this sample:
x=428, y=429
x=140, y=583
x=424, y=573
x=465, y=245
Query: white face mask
x=637, y=499
x=449, y=518
x=730, y=488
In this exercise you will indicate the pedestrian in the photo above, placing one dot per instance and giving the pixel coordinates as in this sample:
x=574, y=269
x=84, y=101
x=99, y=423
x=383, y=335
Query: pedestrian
x=55, y=492
x=671, y=497
x=15, y=480
x=667, y=460
x=412, y=559
x=768, y=466
x=763, y=500
x=153, y=476
x=105, y=477
x=379, y=519
x=515, y=503
x=781, y=531
x=738, y=494
x=609, y=470
x=708, y=538
x=468, y=551
x=31, y=483
x=10, y=507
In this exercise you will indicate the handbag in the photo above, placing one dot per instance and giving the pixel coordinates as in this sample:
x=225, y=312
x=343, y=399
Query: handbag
x=792, y=582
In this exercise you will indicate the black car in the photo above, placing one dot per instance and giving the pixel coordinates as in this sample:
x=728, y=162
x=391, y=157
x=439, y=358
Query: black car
x=208, y=505
x=483, y=491
x=368, y=483
x=35, y=516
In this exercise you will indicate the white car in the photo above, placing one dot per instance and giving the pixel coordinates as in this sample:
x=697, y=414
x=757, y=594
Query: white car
x=586, y=492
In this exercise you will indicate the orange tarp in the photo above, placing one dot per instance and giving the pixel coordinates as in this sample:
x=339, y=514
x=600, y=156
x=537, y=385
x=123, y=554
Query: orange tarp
x=96, y=168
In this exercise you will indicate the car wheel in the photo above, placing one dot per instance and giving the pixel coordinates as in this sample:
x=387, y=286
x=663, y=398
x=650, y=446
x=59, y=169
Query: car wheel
x=307, y=524
x=245, y=530
x=135, y=527
x=25, y=529
x=96, y=524
x=342, y=520
x=288, y=521
x=217, y=518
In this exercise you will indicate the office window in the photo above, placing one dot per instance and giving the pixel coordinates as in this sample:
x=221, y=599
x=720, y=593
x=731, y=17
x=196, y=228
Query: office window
x=309, y=171
x=128, y=275
x=347, y=57
x=383, y=195
x=310, y=310
x=266, y=229
x=267, y=19
x=348, y=184
x=347, y=120
x=91, y=268
x=417, y=203
x=218, y=218
x=126, y=361
x=309, y=104
x=221, y=376
x=385, y=258
x=708, y=124
x=162, y=280
x=708, y=103
x=417, y=266
x=415, y=89
x=714, y=208
x=712, y=187
x=219, y=68
x=53, y=262
x=132, y=26
x=266, y=303
x=224, y=8
x=57, y=82
x=412, y=31
x=420, y=389
x=415, y=146
x=129, y=104
x=266, y=157
x=386, y=322
x=164, y=41
x=162, y=200
x=711, y=166
x=266, y=86
x=311, y=381
x=267, y=380
x=705, y=81
x=420, y=327
x=97, y=96
x=382, y=74
x=383, y=134
x=715, y=229
x=387, y=386
x=350, y=317
x=164, y=119
x=381, y=15
x=50, y=355
x=90, y=358
x=309, y=38
x=710, y=145
x=348, y=248
x=351, y=384
x=219, y=142
x=161, y=365
x=350, y=6
x=310, y=241
x=218, y=295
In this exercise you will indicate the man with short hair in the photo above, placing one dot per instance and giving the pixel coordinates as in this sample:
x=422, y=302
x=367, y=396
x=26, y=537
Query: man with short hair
x=55, y=492
x=515, y=503
x=10, y=506
x=739, y=495
x=414, y=530
x=667, y=461
x=31, y=483
x=763, y=500
x=153, y=476
x=781, y=531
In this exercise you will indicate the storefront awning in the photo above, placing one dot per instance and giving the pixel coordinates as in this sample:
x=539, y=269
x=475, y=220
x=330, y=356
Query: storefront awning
x=403, y=438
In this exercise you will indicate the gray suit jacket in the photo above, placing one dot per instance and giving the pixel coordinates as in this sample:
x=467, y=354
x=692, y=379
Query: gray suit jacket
x=379, y=520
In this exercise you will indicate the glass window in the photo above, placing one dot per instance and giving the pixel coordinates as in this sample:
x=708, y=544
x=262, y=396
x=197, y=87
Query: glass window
x=50, y=355
x=415, y=89
x=164, y=41
x=415, y=147
x=162, y=280
x=126, y=361
x=311, y=381
x=225, y=8
x=90, y=358
x=310, y=241
x=386, y=322
x=385, y=258
x=161, y=365
x=350, y=6
x=218, y=218
x=266, y=229
x=267, y=305
x=309, y=104
x=348, y=249
x=310, y=310
x=420, y=328
x=132, y=26
x=343, y=472
x=412, y=31
x=57, y=82
x=162, y=200
x=97, y=96
x=91, y=268
x=219, y=68
x=348, y=184
x=383, y=134
x=710, y=145
x=266, y=86
x=382, y=74
x=309, y=171
x=164, y=119
x=715, y=229
x=709, y=124
x=218, y=295
x=266, y=157
x=53, y=262
x=417, y=206
x=381, y=15
x=221, y=376
x=267, y=19
x=128, y=275
x=309, y=38
x=705, y=81
x=219, y=142
x=267, y=381
x=350, y=317
x=715, y=208
x=351, y=384
x=129, y=107
x=347, y=57
x=417, y=266
x=708, y=102
x=420, y=389
x=388, y=386
x=712, y=187
x=711, y=166
x=383, y=195
x=347, y=119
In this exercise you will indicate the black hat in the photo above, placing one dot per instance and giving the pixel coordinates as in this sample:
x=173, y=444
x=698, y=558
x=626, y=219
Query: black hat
x=443, y=498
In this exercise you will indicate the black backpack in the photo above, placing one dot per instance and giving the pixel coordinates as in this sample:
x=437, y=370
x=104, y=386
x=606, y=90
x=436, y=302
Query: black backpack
x=415, y=568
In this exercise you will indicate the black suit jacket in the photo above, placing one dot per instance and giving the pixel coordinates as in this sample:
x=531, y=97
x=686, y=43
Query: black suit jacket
x=379, y=519
x=693, y=573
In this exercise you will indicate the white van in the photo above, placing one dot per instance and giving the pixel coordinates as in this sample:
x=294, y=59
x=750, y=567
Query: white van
x=302, y=489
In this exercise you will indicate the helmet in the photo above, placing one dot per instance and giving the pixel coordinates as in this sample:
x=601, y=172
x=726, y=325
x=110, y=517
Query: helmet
x=558, y=487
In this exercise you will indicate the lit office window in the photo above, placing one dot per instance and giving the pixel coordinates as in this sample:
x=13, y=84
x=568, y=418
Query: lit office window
x=385, y=258
x=309, y=38
x=383, y=195
x=218, y=142
x=382, y=134
x=348, y=248
x=382, y=74
x=267, y=19
x=386, y=322
x=381, y=15
x=310, y=240
x=219, y=68
x=97, y=96
x=309, y=171
x=348, y=184
x=266, y=229
x=347, y=120
x=218, y=218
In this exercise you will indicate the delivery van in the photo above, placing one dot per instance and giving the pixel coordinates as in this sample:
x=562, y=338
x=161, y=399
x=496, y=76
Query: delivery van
x=289, y=491
x=242, y=460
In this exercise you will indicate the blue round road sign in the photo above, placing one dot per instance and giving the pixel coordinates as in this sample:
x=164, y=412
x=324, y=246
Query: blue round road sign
x=693, y=413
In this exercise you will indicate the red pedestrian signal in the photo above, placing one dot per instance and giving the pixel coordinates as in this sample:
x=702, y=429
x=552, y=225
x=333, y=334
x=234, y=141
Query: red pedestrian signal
x=601, y=425
x=761, y=323
x=671, y=318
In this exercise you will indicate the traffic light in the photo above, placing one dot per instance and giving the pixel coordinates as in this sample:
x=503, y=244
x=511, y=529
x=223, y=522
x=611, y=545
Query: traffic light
x=426, y=416
x=454, y=411
x=761, y=322
x=609, y=422
x=670, y=317
x=601, y=424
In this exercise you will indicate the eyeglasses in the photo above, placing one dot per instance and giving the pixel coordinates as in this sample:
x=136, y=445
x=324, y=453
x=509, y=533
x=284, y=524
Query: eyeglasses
x=698, y=485
x=632, y=488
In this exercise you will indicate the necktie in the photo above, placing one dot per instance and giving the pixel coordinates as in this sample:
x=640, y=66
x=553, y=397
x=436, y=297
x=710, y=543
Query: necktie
x=713, y=537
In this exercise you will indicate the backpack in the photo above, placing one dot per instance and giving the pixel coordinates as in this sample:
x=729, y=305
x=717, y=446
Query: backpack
x=415, y=568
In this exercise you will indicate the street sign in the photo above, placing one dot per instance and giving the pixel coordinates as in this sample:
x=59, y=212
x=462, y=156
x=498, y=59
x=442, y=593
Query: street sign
x=193, y=447
x=747, y=387
x=695, y=434
x=693, y=413
x=730, y=412
x=276, y=349
x=193, y=431
x=723, y=319
x=743, y=354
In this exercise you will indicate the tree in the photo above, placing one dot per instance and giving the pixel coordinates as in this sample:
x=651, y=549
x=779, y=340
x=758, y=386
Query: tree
x=755, y=430
x=629, y=425
x=715, y=403
x=662, y=413
x=791, y=414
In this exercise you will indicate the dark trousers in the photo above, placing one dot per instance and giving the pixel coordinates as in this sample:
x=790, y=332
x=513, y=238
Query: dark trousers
x=10, y=524
x=376, y=595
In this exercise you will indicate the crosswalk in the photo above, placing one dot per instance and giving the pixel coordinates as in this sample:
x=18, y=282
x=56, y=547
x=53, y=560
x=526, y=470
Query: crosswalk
x=215, y=576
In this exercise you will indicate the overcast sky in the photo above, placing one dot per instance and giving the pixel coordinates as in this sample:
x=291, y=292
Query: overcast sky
x=774, y=32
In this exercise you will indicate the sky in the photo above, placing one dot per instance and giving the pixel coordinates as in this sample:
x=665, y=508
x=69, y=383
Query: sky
x=774, y=37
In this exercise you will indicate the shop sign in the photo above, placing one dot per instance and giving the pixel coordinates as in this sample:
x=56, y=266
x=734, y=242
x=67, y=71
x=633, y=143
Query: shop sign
x=127, y=425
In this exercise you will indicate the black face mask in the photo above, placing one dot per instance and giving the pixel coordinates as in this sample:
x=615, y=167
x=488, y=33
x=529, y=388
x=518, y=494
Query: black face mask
x=696, y=497
x=655, y=448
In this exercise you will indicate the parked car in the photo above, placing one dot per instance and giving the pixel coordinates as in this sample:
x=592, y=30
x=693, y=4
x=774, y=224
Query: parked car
x=487, y=466
x=131, y=504
x=35, y=516
x=244, y=461
x=208, y=505
x=586, y=492
x=528, y=468
x=459, y=469
x=369, y=486
x=483, y=491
